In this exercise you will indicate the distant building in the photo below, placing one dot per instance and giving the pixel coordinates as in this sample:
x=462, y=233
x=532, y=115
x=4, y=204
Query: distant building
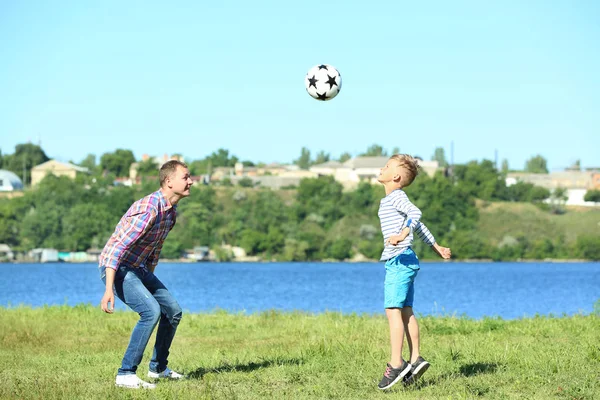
x=9, y=181
x=364, y=169
x=159, y=161
x=44, y=255
x=6, y=253
x=199, y=253
x=576, y=183
x=57, y=168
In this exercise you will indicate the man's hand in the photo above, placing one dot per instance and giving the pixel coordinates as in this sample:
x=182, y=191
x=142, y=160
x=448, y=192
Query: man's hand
x=443, y=252
x=107, y=304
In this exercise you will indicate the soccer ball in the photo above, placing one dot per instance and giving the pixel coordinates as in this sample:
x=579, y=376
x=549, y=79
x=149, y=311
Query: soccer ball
x=323, y=82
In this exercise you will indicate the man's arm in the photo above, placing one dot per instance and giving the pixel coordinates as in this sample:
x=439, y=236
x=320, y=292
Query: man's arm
x=109, y=296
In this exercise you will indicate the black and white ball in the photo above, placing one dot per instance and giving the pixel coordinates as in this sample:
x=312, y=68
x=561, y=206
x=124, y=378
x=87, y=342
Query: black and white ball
x=323, y=82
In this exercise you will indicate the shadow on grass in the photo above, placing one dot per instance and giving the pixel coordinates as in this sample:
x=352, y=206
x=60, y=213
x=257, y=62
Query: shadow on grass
x=478, y=368
x=252, y=366
x=466, y=370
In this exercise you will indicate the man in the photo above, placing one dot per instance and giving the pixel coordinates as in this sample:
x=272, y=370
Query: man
x=127, y=263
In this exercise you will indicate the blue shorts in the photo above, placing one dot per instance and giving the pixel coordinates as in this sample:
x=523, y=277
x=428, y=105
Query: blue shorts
x=400, y=274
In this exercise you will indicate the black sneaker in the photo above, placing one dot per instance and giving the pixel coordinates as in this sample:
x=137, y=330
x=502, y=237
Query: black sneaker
x=416, y=371
x=393, y=375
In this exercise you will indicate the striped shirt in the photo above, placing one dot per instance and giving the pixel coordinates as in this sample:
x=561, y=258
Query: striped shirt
x=140, y=234
x=395, y=213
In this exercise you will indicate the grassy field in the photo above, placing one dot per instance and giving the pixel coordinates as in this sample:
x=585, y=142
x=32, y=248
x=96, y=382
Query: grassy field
x=497, y=220
x=74, y=352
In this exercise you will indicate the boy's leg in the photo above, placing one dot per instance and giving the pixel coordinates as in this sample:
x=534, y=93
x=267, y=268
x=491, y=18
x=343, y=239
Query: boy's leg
x=169, y=321
x=411, y=328
x=396, y=335
x=131, y=290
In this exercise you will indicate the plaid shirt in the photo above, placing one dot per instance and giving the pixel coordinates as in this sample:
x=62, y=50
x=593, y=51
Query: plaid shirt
x=140, y=234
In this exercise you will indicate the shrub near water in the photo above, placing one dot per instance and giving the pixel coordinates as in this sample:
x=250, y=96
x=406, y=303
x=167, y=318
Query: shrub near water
x=74, y=352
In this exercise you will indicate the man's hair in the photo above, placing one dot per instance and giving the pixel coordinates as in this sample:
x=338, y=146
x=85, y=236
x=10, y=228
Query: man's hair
x=168, y=169
x=410, y=164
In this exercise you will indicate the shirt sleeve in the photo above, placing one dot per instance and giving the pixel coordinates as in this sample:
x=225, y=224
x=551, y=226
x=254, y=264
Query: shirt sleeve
x=404, y=206
x=424, y=234
x=135, y=225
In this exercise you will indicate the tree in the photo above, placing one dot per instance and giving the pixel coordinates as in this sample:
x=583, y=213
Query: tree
x=340, y=248
x=480, y=180
x=375, y=151
x=322, y=157
x=344, y=157
x=25, y=157
x=118, y=162
x=588, y=247
x=89, y=162
x=557, y=200
x=221, y=158
x=536, y=165
x=246, y=182
x=85, y=226
x=505, y=166
x=440, y=156
x=304, y=161
x=147, y=167
x=592, y=195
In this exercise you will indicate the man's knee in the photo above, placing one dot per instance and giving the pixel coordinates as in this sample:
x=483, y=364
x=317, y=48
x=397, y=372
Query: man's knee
x=174, y=314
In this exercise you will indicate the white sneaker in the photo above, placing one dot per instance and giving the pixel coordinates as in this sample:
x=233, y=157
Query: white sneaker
x=131, y=381
x=167, y=373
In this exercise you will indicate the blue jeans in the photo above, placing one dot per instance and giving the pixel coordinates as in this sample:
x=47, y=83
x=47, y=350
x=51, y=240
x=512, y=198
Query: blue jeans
x=141, y=290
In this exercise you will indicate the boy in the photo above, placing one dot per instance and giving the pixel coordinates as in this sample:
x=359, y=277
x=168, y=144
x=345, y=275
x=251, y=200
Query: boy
x=399, y=219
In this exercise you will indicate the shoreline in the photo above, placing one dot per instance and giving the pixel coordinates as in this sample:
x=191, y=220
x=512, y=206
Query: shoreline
x=242, y=261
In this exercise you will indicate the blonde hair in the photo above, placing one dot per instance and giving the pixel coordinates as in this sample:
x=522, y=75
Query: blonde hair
x=410, y=164
x=168, y=169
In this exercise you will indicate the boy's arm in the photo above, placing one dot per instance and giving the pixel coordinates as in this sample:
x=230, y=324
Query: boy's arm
x=412, y=212
x=427, y=237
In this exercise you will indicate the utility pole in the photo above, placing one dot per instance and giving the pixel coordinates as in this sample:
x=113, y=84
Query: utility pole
x=24, y=170
x=496, y=158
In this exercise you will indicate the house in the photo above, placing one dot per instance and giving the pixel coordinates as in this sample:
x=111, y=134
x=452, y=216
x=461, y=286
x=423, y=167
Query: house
x=9, y=181
x=6, y=253
x=359, y=169
x=240, y=171
x=44, y=255
x=575, y=183
x=199, y=253
x=159, y=161
x=57, y=168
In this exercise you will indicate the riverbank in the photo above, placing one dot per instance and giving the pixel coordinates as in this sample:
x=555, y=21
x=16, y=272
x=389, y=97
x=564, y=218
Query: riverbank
x=73, y=352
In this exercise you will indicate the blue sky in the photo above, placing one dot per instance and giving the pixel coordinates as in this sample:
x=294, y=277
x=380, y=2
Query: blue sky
x=518, y=77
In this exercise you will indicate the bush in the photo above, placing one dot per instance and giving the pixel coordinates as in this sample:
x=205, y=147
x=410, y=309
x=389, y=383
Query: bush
x=592, y=195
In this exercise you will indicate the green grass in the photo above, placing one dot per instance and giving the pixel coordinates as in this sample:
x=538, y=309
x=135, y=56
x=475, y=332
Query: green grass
x=74, y=352
x=497, y=220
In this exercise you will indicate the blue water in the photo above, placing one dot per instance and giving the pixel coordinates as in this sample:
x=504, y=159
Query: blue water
x=508, y=290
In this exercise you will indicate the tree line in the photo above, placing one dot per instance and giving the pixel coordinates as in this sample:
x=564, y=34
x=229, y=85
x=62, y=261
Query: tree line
x=317, y=220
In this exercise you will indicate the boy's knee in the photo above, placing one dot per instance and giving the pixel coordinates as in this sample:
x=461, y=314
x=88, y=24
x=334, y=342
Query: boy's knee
x=407, y=311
